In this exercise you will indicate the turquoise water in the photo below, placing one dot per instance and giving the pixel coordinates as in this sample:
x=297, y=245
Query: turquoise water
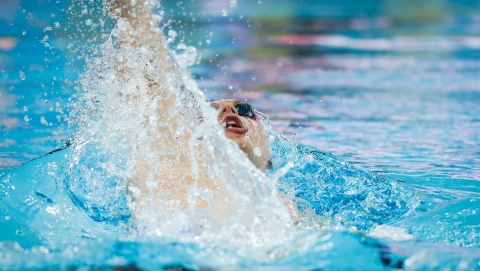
x=378, y=104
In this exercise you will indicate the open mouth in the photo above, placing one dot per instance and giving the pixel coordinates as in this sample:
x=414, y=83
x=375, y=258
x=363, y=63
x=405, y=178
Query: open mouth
x=234, y=124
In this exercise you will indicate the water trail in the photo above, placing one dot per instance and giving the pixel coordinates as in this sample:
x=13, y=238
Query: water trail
x=145, y=127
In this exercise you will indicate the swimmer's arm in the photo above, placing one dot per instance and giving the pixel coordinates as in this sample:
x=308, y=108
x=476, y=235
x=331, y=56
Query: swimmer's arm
x=144, y=31
x=142, y=20
x=137, y=26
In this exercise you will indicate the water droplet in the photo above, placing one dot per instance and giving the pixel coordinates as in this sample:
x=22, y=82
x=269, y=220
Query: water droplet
x=88, y=22
x=257, y=151
x=22, y=75
x=181, y=46
x=52, y=210
x=172, y=34
x=25, y=118
x=43, y=121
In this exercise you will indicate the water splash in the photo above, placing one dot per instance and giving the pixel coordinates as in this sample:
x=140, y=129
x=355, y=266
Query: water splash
x=149, y=127
x=343, y=195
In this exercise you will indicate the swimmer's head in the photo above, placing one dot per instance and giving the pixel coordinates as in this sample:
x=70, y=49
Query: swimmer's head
x=242, y=125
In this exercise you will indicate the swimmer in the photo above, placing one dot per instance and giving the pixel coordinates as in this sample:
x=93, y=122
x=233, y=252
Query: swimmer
x=160, y=178
x=242, y=125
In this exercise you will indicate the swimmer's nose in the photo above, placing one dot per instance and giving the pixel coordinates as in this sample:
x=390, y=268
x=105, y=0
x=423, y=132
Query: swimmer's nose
x=227, y=108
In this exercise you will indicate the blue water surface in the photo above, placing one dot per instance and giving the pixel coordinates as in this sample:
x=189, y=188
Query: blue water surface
x=375, y=103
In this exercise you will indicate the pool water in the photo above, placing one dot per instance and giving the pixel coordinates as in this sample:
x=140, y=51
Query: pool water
x=375, y=107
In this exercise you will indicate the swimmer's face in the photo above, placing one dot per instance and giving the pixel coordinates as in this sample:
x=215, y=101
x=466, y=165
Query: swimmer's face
x=243, y=126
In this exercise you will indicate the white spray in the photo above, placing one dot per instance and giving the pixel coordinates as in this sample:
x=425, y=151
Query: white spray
x=144, y=124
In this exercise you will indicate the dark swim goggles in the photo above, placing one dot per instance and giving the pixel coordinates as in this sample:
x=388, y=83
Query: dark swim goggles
x=245, y=110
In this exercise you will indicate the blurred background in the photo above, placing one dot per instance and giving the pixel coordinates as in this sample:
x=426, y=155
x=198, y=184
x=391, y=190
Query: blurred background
x=392, y=86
